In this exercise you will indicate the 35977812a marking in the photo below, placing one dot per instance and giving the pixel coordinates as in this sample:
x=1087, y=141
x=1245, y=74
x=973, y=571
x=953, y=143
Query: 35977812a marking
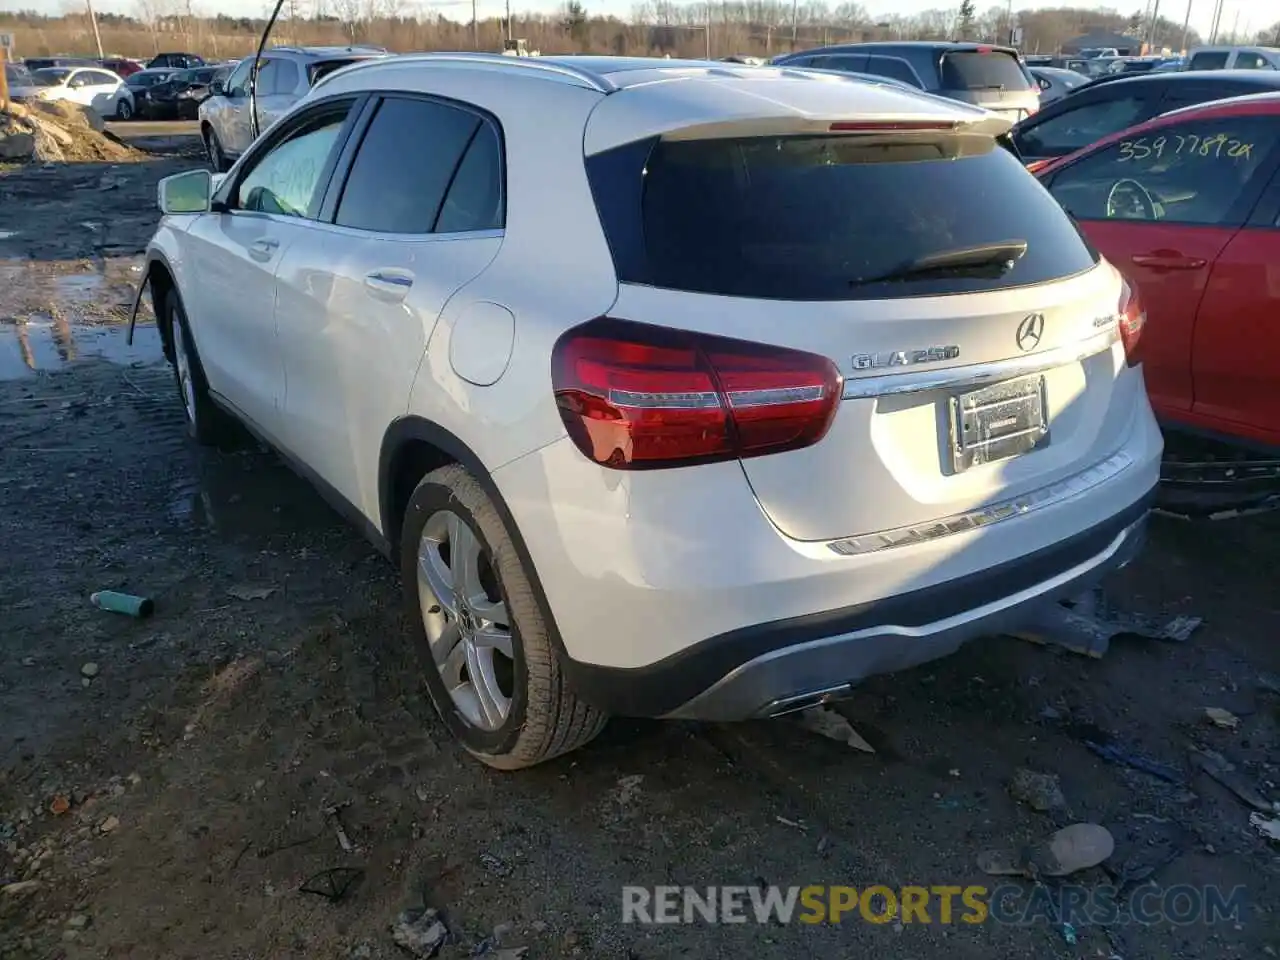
x=1219, y=145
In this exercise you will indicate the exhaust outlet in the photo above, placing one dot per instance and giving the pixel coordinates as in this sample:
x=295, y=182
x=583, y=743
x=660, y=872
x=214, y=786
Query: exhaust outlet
x=805, y=701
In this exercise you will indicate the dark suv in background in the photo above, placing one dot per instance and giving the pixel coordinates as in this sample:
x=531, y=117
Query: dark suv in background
x=984, y=75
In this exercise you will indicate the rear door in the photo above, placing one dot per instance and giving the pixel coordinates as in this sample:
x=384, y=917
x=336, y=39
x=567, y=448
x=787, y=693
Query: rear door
x=989, y=77
x=1236, y=355
x=1084, y=118
x=1162, y=207
x=420, y=214
x=278, y=83
x=801, y=242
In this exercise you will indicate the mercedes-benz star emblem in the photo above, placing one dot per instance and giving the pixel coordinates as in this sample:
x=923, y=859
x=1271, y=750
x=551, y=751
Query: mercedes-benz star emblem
x=1030, y=330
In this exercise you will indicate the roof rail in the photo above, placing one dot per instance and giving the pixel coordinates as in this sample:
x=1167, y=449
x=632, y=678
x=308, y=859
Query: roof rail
x=533, y=66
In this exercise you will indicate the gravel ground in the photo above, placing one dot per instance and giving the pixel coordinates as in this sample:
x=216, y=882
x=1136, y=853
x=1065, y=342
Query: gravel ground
x=166, y=784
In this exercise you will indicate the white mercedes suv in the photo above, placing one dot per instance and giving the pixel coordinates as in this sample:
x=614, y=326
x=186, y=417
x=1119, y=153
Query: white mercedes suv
x=675, y=389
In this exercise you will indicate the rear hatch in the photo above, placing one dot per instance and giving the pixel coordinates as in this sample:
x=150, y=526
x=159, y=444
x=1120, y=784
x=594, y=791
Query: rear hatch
x=992, y=78
x=822, y=243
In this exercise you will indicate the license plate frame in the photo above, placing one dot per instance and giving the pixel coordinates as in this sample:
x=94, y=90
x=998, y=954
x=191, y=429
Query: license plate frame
x=998, y=422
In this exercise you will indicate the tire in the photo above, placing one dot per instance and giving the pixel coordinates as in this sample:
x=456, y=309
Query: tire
x=124, y=110
x=543, y=718
x=207, y=424
x=213, y=149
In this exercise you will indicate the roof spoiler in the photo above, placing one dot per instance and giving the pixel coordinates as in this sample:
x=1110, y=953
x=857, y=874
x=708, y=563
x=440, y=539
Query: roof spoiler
x=981, y=123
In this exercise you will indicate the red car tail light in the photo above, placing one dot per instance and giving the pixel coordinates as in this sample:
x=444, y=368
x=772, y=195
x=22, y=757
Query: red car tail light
x=636, y=397
x=1133, y=317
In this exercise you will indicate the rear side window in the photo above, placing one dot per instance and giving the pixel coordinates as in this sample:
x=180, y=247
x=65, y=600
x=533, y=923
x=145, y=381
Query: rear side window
x=823, y=217
x=893, y=67
x=410, y=159
x=975, y=70
x=1248, y=60
x=1209, y=61
x=284, y=78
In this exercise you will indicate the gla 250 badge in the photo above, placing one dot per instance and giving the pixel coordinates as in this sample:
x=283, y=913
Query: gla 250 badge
x=904, y=358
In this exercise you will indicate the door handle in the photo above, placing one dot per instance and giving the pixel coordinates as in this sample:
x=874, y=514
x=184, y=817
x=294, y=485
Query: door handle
x=387, y=284
x=1167, y=260
x=263, y=249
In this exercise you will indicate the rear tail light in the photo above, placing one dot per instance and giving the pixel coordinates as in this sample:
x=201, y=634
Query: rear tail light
x=636, y=397
x=1133, y=317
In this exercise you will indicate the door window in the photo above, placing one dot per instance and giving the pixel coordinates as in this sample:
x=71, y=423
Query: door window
x=893, y=67
x=1080, y=126
x=1191, y=172
x=422, y=167
x=1215, y=60
x=238, y=82
x=286, y=179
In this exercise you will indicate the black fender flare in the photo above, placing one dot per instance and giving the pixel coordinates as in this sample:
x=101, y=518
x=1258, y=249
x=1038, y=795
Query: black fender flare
x=407, y=429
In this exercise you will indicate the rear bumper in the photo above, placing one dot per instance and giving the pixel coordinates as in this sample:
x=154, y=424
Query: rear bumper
x=771, y=667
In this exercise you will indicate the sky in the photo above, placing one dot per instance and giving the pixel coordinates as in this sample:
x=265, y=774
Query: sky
x=1255, y=14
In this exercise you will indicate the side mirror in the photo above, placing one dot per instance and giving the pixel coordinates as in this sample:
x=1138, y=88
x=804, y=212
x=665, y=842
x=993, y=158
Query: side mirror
x=217, y=88
x=188, y=192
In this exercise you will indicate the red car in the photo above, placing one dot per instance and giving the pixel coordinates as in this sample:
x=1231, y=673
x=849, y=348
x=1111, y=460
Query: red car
x=1188, y=206
x=122, y=66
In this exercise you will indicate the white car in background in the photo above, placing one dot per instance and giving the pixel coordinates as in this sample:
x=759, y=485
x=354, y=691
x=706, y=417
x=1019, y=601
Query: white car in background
x=674, y=388
x=93, y=87
x=18, y=77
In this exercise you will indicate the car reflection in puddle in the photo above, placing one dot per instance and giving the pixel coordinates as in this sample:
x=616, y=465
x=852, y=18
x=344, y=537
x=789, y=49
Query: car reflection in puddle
x=28, y=347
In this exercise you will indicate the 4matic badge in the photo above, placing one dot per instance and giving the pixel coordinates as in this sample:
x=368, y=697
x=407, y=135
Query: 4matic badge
x=904, y=358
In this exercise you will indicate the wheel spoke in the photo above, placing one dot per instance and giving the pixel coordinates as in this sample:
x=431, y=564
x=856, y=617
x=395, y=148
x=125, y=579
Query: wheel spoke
x=436, y=577
x=464, y=559
x=445, y=646
x=452, y=666
x=489, y=611
x=495, y=638
x=493, y=703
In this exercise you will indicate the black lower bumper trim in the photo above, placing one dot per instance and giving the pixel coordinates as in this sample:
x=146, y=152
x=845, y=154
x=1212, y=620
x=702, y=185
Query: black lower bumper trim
x=659, y=688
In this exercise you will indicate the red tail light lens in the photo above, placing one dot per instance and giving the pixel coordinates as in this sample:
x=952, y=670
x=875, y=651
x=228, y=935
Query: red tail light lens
x=1133, y=317
x=636, y=397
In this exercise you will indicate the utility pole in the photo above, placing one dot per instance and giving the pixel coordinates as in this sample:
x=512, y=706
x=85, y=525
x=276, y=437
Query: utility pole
x=475, y=27
x=706, y=26
x=4, y=79
x=1186, y=28
x=97, y=38
x=1217, y=18
x=510, y=35
x=1151, y=27
x=795, y=22
x=1010, y=15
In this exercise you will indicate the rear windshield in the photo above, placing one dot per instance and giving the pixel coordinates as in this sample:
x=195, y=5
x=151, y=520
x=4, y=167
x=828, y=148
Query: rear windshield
x=824, y=217
x=976, y=70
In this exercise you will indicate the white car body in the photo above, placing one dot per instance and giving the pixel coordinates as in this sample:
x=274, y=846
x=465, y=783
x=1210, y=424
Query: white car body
x=93, y=87
x=744, y=586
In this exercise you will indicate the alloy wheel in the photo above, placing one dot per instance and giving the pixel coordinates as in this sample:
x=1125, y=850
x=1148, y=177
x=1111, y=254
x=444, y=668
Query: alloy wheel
x=182, y=362
x=467, y=625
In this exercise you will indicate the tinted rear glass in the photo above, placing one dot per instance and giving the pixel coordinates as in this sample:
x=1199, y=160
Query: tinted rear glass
x=820, y=217
x=974, y=70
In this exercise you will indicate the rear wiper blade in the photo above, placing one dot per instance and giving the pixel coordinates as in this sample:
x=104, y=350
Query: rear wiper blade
x=988, y=260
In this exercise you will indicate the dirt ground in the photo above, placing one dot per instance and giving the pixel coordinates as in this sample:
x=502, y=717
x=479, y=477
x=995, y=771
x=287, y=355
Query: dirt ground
x=165, y=783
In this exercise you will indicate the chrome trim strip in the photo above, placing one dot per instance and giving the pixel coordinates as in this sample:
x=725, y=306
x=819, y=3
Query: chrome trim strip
x=977, y=374
x=1054, y=493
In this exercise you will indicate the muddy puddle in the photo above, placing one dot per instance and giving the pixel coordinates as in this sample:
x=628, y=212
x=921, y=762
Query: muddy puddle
x=30, y=347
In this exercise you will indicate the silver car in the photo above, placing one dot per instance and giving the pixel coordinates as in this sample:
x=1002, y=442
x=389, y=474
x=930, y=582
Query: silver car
x=1055, y=83
x=285, y=74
